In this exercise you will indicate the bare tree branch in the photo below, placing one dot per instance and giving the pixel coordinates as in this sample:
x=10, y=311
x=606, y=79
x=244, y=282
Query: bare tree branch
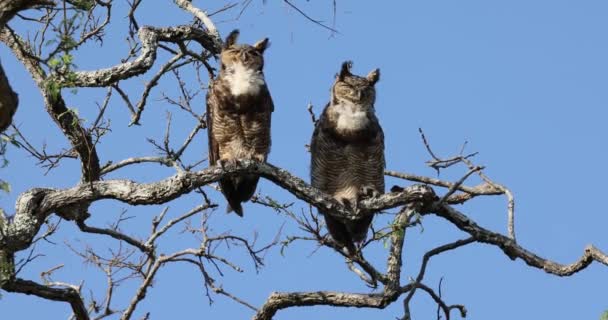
x=34, y=205
x=9, y=8
x=514, y=251
x=66, y=119
x=150, y=38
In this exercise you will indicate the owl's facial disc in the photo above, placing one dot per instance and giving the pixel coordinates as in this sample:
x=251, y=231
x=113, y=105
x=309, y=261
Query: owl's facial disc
x=363, y=96
x=245, y=55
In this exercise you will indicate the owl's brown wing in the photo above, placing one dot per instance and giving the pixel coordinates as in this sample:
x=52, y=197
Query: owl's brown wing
x=227, y=185
x=379, y=157
x=317, y=163
x=212, y=107
x=267, y=107
x=267, y=103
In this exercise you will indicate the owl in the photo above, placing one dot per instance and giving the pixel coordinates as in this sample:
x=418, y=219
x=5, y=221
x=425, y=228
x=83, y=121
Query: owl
x=239, y=108
x=347, y=152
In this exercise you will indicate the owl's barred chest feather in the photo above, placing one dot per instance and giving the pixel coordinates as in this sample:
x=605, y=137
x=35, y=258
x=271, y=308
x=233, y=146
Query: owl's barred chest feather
x=242, y=137
x=345, y=168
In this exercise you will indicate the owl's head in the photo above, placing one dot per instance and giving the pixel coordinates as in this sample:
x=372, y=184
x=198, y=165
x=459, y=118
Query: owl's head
x=355, y=89
x=250, y=57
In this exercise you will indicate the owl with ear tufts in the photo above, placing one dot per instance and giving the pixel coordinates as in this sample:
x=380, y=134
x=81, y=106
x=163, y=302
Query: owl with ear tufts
x=347, y=152
x=239, y=108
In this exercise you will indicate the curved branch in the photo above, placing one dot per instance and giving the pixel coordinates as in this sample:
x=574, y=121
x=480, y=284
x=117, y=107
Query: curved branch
x=8, y=9
x=56, y=294
x=137, y=160
x=278, y=301
x=203, y=18
x=150, y=38
x=35, y=205
x=514, y=251
x=68, y=121
x=114, y=234
x=425, y=260
x=484, y=189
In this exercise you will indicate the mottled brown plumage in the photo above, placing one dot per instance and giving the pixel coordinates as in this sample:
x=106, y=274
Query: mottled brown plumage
x=347, y=151
x=239, y=109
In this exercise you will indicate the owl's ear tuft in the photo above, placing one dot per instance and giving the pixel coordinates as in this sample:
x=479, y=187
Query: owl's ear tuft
x=231, y=38
x=345, y=70
x=262, y=45
x=373, y=76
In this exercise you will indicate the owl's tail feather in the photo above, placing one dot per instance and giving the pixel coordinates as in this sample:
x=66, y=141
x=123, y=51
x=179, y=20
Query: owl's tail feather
x=236, y=207
x=358, y=228
x=338, y=231
x=237, y=190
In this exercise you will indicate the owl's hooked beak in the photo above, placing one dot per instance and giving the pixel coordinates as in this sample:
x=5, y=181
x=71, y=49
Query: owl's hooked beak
x=244, y=56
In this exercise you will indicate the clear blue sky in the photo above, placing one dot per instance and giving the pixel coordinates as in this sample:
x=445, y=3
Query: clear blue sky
x=523, y=81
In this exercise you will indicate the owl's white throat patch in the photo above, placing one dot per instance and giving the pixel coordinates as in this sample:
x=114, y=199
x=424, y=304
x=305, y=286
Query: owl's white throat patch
x=350, y=116
x=244, y=81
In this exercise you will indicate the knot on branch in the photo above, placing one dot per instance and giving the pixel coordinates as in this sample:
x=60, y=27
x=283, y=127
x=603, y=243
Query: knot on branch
x=78, y=211
x=422, y=194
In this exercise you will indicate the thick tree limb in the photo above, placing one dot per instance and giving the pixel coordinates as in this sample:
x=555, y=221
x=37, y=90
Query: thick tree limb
x=35, y=205
x=67, y=121
x=278, y=301
x=9, y=8
x=10, y=283
x=68, y=295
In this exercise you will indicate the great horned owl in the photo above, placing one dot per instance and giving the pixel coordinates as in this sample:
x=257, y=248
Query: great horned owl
x=347, y=151
x=239, y=109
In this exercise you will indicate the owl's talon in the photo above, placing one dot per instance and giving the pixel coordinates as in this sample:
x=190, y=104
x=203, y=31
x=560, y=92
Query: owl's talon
x=221, y=163
x=367, y=192
x=350, y=206
x=227, y=162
